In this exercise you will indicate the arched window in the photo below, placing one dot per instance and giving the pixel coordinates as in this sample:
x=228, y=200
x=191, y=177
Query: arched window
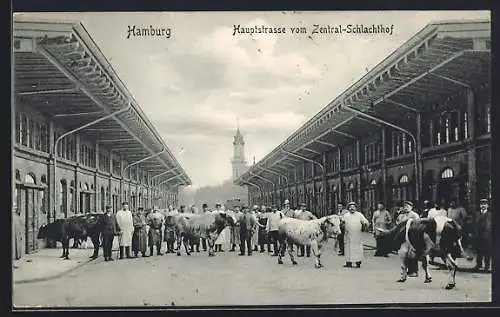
x=373, y=182
x=403, y=179
x=351, y=186
x=29, y=179
x=447, y=173
x=18, y=176
x=43, y=179
x=85, y=187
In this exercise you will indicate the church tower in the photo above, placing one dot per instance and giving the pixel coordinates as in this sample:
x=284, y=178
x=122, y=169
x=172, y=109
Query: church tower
x=238, y=161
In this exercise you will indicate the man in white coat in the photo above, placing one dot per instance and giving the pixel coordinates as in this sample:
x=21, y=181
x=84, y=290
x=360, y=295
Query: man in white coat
x=354, y=222
x=224, y=235
x=125, y=224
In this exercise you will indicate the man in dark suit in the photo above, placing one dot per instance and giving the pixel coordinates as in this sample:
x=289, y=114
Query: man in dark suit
x=109, y=232
x=204, y=208
x=484, y=236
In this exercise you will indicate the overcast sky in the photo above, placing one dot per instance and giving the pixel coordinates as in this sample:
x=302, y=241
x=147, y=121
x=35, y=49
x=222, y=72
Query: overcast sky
x=195, y=85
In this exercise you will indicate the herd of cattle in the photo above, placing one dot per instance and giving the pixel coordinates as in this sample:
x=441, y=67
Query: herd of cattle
x=414, y=239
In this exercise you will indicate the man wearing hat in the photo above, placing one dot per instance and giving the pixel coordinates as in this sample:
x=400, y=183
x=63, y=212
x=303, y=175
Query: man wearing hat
x=341, y=211
x=235, y=230
x=405, y=214
x=222, y=238
x=304, y=214
x=155, y=221
x=204, y=209
x=109, y=231
x=248, y=226
x=169, y=232
x=125, y=222
x=286, y=209
x=140, y=236
x=272, y=226
x=381, y=219
x=483, y=236
x=255, y=236
x=354, y=222
x=426, y=208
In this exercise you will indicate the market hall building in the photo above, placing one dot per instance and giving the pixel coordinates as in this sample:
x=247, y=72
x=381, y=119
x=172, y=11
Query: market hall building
x=416, y=127
x=67, y=94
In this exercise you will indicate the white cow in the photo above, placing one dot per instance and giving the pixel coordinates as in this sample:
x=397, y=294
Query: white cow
x=313, y=233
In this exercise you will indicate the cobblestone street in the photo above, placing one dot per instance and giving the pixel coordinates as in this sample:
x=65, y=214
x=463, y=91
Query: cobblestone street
x=229, y=279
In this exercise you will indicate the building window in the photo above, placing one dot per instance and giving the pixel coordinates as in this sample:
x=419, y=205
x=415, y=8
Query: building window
x=447, y=174
x=348, y=159
x=29, y=179
x=373, y=182
x=403, y=179
x=447, y=129
x=401, y=144
x=372, y=153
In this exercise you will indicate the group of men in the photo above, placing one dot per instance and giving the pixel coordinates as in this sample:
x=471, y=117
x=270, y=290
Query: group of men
x=259, y=226
x=135, y=230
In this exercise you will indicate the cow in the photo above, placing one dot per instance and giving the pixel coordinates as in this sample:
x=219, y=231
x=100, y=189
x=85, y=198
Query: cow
x=418, y=239
x=192, y=227
x=314, y=233
x=76, y=227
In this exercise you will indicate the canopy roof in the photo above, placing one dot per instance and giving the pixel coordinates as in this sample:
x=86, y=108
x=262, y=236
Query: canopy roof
x=59, y=68
x=439, y=61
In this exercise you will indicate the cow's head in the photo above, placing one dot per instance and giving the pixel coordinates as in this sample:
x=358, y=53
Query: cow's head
x=42, y=232
x=331, y=226
x=390, y=240
x=450, y=239
x=229, y=218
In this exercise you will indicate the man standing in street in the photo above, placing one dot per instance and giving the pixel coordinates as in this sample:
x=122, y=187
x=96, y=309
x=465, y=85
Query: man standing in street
x=304, y=214
x=354, y=224
x=204, y=209
x=340, y=240
x=109, y=231
x=221, y=239
x=405, y=214
x=286, y=209
x=381, y=220
x=272, y=225
x=155, y=221
x=483, y=236
x=247, y=227
x=235, y=230
x=169, y=231
x=140, y=236
x=426, y=208
x=126, y=224
x=255, y=235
